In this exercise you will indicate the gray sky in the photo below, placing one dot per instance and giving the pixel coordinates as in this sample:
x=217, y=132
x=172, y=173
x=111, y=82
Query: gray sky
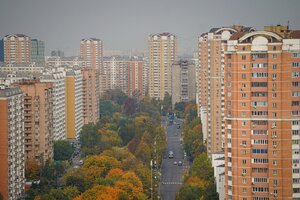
x=123, y=25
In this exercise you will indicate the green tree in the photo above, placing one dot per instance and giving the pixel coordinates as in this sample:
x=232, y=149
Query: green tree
x=63, y=150
x=187, y=192
x=210, y=192
x=202, y=168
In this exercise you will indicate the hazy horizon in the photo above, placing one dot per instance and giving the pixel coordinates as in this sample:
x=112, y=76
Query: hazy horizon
x=124, y=26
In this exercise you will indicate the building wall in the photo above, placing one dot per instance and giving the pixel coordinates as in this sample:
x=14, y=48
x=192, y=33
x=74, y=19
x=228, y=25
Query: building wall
x=91, y=54
x=260, y=116
x=135, y=77
x=90, y=98
x=74, y=105
x=17, y=49
x=12, y=169
x=162, y=54
x=38, y=118
x=37, y=51
x=59, y=103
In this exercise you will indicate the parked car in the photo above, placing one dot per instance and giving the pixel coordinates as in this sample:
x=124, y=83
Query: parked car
x=179, y=163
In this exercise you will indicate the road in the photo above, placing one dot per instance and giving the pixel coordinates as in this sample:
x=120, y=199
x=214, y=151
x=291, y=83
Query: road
x=171, y=179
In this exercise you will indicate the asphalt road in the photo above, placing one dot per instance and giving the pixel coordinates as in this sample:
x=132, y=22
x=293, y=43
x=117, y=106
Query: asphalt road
x=171, y=179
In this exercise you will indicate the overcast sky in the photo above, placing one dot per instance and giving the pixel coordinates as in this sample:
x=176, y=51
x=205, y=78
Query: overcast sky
x=124, y=25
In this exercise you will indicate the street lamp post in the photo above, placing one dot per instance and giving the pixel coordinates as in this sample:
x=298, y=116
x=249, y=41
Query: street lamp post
x=151, y=192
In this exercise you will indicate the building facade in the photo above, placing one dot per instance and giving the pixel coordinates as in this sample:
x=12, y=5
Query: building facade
x=183, y=82
x=262, y=112
x=38, y=120
x=211, y=78
x=74, y=109
x=17, y=48
x=162, y=54
x=90, y=97
x=12, y=168
x=37, y=51
x=91, y=54
x=59, y=102
x=135, y=77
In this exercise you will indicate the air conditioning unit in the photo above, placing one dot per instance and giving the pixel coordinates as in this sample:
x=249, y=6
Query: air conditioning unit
x=274, y=146
x=243, y=174
x=273, y=79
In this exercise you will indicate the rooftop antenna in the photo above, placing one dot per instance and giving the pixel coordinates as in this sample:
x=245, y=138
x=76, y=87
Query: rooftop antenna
x=288, y=24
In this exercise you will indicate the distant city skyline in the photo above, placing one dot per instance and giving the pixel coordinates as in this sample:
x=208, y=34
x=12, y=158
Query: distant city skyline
x=124, y=26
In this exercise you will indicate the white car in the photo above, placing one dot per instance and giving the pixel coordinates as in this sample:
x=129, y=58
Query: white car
x=175, y=163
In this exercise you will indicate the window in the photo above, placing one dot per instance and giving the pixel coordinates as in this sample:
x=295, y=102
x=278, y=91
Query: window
x=243, y=57
x=259, y=151
x=295, y=74
x=259, y=65
x=243, y=123
x=244, y=171
x=274, y=95
x=296, y=55
x=274, y=48
x=243, y=67
x=243, y=104
x=259, y=55
x=295, y=94
x=244, y=95
x=274, y=66
x=259, y=84
x=275, y=162
x=295, y=64
x=244, y=180
x=274, y=56
x=274, y=105
x=244, y=133
x=244, y=161
x=295, y=84
x=275, y=172
x=243, y=76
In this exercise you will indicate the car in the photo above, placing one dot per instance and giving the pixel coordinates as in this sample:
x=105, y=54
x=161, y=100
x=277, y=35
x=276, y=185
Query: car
x=175, y=163
x=179, y=163
x=80, y=162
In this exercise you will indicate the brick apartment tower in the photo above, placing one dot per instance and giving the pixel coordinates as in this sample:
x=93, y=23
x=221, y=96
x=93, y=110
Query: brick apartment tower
x=12, y=168
x=135, y=76
x=162, y=54
x=17, y=49
x=262, y=112
x=38, y=121
x=211, y=84
x=91, y=53
x=74, y=103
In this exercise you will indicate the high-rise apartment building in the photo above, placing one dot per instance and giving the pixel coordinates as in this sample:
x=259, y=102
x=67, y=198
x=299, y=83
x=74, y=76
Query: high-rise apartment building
x=17, y=48
x=37, y=51
x=74, y=109
x=262, y=112
x=91, y=54
x=90, y=97
x=12, y=168
x=211, y=84
x=183, y=82
x=59, y=102
x=38, y=120
x=162, y=54
x=135, y=77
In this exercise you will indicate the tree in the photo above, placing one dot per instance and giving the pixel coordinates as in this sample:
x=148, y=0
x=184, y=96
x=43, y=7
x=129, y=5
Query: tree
x=75, y=178
x=63, y=150
x=188, y=192
x=210, y=192
x=32, y=170
x=202, y=168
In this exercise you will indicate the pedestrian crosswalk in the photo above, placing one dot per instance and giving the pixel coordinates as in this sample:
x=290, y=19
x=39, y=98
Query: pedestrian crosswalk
x=171, y=183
